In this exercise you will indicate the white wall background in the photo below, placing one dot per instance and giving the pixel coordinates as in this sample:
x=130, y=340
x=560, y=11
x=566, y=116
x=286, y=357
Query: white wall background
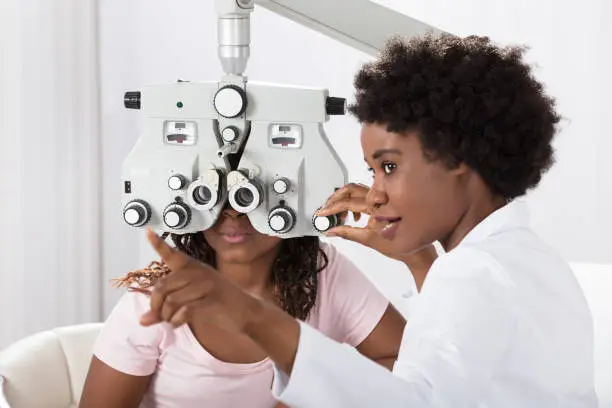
x=157, y=41
x=61, y=192
x=49, y=166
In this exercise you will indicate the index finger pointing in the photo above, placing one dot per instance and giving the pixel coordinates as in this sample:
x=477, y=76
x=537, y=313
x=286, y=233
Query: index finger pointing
x=170, y=256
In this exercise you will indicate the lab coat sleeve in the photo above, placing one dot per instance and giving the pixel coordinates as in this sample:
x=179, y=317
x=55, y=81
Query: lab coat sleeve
x=456, y=337
x=330, y=374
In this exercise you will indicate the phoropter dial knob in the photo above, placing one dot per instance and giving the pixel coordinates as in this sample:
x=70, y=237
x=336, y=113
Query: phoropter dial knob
x=230, y=101
x=230, y=134
x=131, y=99
x=323, y=224
x=137, y=213
x=177, y=215
x=281, y=220
x=335, y=105
x=177, y=182
x=281, y=185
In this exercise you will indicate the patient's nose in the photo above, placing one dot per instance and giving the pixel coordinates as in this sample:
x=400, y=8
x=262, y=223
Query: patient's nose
x=230, y=212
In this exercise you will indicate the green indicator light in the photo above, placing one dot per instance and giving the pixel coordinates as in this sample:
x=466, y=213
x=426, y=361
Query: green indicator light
x=179, y=105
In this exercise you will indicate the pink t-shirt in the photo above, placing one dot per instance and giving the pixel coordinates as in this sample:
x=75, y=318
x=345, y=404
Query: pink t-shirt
x=348, y=308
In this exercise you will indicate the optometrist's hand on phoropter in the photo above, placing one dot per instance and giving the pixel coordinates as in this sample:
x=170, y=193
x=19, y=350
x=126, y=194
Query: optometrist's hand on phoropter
x=354, y=198
x=357, y=199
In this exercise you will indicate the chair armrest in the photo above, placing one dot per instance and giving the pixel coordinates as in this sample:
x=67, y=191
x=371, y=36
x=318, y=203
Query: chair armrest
x=3, y=402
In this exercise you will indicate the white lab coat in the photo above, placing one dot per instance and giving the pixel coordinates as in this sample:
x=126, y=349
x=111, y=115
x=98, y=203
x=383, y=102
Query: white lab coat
x=500, y=323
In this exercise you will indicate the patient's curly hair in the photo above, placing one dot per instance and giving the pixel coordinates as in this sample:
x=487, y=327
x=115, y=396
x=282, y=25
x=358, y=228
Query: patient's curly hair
x=294, y=277
x=468, y=101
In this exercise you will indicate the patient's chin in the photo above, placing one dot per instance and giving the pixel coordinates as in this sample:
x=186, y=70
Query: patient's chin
x=236, y=257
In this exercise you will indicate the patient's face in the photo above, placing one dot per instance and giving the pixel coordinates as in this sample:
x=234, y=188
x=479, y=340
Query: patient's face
x=235, y=240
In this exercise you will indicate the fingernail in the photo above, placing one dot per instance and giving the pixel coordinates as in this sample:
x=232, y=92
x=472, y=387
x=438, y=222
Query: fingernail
x=330, y=234
x=148, y=319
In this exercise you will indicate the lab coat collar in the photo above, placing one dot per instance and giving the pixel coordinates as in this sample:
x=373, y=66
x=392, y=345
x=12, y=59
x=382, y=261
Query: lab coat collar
x=513, y=215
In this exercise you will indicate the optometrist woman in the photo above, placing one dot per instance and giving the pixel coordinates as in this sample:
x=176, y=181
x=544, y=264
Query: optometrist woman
x=455, y=130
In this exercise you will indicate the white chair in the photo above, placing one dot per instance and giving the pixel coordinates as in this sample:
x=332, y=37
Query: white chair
x=47, y=369
x=596, y=283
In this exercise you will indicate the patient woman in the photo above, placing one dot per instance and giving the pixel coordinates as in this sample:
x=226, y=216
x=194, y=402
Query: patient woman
x=202, y=365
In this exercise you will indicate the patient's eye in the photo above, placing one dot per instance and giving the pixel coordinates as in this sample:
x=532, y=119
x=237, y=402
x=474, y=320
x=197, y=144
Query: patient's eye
x=389, y=167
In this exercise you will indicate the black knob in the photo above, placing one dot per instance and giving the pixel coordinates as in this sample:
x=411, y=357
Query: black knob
x=335, y=106
x=131, y=100
x=281, y=220
x=137, y=213
x=177, y=215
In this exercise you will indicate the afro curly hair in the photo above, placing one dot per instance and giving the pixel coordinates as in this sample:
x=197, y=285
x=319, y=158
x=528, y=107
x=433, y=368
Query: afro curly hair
x=469, y=101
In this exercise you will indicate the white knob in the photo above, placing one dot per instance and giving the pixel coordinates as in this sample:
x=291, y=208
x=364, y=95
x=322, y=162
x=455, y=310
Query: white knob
x=176, y=182
x=172, y=219
x=278, y=223
x=136, y=213
x=230, y=101
x=229, y=134
x=132, y=216
x=281, y=186
x=176, y=216
x=322, y=223
x=281, y=220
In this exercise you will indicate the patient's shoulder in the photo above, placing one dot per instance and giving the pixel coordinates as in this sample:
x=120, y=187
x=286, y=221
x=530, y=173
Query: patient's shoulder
x=348, y=304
